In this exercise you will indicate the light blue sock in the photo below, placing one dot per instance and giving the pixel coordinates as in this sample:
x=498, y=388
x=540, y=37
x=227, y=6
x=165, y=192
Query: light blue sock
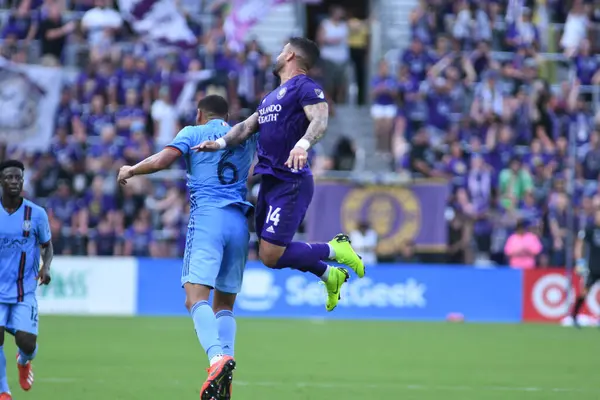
x=227, y=327
x=3, y=378
x=25, y=358
x=205, y=323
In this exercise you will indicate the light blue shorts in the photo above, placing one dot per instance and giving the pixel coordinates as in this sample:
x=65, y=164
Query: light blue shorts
x=21, y=316
x=216, y=249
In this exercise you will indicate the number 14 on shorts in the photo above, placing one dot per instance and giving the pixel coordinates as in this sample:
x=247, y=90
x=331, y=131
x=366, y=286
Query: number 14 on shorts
x=273, y=217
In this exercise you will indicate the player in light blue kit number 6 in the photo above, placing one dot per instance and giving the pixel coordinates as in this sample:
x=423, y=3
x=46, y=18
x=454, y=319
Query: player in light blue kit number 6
x=216, y=248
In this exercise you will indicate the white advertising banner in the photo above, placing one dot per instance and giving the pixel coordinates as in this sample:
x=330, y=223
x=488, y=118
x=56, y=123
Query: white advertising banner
x=90, y=286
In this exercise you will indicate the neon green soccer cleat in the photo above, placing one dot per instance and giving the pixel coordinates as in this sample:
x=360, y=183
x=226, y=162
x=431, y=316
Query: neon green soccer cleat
x=337, y=278
x=345, y=254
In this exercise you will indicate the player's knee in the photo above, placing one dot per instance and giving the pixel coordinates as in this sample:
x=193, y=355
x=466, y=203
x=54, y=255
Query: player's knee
x=26, y=342
x=269, y=259
x=270, y=255
x=223, y=301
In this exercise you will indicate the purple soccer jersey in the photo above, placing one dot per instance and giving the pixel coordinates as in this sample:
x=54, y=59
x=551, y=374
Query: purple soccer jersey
x=284, y=194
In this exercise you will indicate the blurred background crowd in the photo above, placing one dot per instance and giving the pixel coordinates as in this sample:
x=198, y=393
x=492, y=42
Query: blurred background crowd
x=497, y=97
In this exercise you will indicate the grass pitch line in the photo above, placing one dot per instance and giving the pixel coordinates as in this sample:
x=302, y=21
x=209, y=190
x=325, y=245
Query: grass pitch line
x=346, y=385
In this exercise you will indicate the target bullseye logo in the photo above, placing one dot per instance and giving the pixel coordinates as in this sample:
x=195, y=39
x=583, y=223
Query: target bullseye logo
x=549, y=296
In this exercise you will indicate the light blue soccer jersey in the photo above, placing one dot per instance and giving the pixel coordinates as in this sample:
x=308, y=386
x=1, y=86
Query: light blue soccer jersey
x=215, y=179
x=21, y=235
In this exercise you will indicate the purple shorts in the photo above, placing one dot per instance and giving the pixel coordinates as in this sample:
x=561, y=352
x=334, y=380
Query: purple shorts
x=281, y=207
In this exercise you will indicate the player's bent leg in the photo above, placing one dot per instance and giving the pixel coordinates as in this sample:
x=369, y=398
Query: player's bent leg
x=27, y=344
x=296, y=255
x=23, y=319
x=204, y=319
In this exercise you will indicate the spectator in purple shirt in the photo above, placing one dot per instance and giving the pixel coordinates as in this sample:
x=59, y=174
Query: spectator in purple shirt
x=20, y=24
x=523, y=33
x=130, y=203
x=92, y=82
x=103, y=241
x=164, y=75
x=138, y=147
x=128, y=114
x=105, y=154
x=67, y=151
x=587, y=65
x=139, y=240
x=439, y=105
x=455, y=165
x=95, y=206
x=65, y=111
x=61, y=205
x=416, y=59
x=591, y=161
x=128, y=77
x=91, y=122
x=383, y=111
x=536, y=156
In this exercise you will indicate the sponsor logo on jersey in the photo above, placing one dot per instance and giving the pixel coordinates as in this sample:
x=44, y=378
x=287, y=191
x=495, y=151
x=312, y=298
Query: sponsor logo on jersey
x=320, y=93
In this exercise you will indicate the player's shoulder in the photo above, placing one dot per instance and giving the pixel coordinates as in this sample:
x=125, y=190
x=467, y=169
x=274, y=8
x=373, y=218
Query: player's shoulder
x=36, y=210
x=305, y=81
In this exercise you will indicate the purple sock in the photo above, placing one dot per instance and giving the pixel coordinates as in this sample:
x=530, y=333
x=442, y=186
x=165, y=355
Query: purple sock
x=305, y=257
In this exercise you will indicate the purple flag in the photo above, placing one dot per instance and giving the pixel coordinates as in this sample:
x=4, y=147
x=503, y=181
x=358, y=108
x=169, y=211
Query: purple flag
x=398, y=213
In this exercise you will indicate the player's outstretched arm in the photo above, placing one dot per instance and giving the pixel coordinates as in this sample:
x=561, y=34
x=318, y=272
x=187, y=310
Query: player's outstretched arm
x=150, y=165
x=318, y=115
x=236, y=136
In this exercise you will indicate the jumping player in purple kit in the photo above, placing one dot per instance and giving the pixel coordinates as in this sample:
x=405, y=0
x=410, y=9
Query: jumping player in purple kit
x=291, y=119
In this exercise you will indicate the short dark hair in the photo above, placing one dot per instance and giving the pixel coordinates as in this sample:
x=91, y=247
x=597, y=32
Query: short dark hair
x=308, y=51
x=214, y=104
x=11, y=164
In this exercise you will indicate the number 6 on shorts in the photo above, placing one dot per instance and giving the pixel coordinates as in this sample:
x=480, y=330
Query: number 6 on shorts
x=273, y=215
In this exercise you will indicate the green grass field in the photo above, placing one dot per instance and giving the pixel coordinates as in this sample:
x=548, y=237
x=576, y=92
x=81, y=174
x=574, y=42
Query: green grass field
x=159, y=358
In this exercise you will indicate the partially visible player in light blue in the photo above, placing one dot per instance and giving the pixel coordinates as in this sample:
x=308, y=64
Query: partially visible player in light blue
x=217, y=240
x=24, y=229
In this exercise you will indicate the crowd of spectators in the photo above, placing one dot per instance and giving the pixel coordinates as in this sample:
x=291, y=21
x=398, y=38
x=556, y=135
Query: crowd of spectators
x=123, y=104
x=498, y=128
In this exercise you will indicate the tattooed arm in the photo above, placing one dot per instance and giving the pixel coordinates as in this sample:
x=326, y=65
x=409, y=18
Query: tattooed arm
x=236, y=136
x=318, y=115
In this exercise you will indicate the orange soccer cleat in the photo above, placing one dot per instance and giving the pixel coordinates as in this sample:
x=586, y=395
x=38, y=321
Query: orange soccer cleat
x=25, y=375
x=217, y=373
x=5, y=396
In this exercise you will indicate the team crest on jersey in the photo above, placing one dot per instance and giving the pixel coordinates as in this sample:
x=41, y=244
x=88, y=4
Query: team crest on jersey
x=281, y=93
x=320, y=93
x=26, y=226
